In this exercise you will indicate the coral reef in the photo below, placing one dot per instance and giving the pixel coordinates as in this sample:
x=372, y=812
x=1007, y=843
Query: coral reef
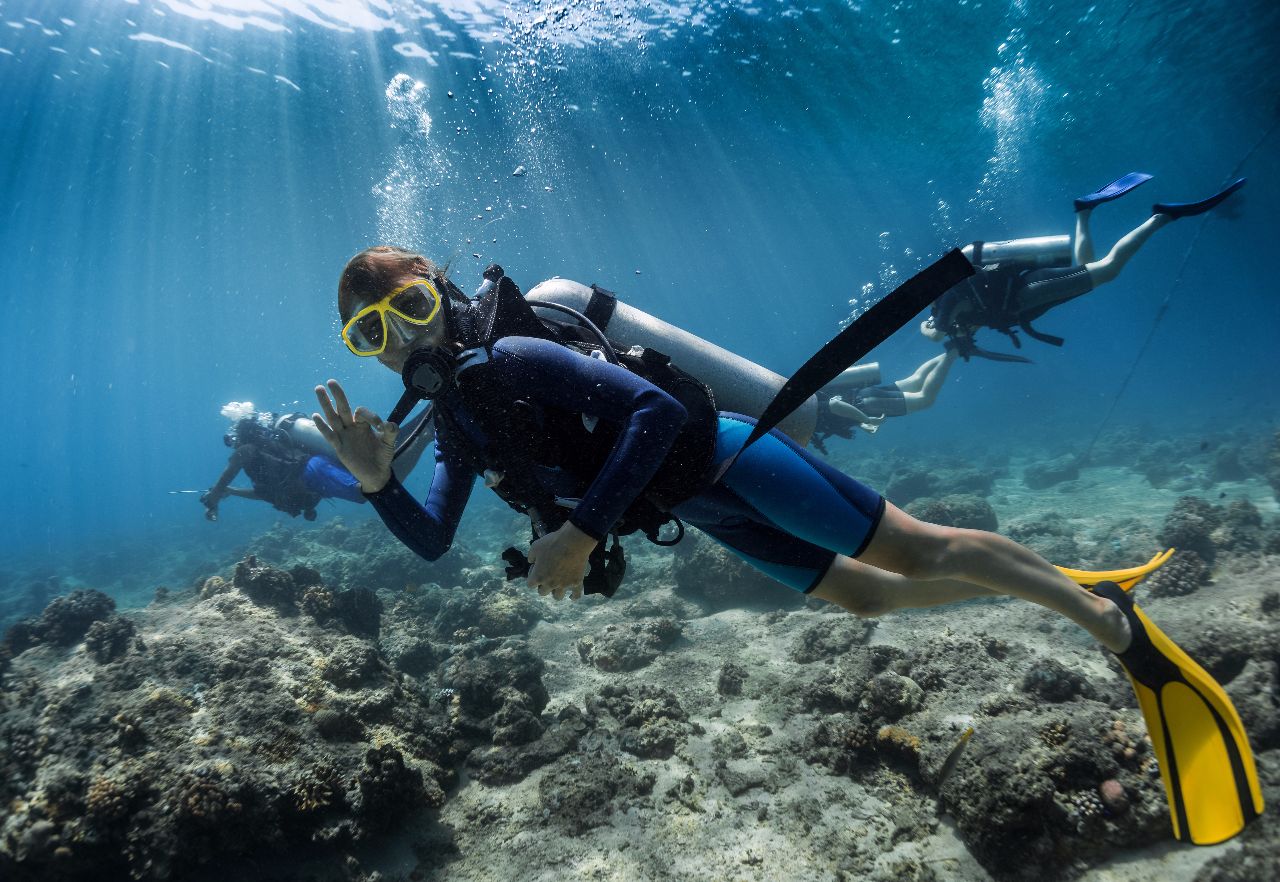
x=1049, y=473
x=653, y=724
x=957, y=510
x=629, y=646
x=237, y=729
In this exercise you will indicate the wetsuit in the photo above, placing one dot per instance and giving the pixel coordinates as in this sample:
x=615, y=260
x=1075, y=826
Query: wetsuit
x=1002, y=298
x=779, y=508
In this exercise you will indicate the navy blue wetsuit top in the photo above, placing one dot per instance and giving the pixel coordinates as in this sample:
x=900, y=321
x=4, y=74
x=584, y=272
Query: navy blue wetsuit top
x=550, y=376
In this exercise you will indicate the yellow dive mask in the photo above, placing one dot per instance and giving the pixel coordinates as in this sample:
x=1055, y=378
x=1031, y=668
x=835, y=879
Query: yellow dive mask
x=414, y=304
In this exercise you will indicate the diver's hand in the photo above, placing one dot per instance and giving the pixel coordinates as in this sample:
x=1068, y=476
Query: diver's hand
x=209, y=499
x=363, y=441
x=558, y=562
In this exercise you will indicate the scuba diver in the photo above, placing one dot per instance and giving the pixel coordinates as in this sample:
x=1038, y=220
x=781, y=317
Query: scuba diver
x=850, y=397
x=270, y=449
x=291, y=465
x=591, y=441
x=1021, y=280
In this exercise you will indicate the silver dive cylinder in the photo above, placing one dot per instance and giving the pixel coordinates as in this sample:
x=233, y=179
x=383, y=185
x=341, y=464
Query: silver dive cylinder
x=740, y=386
x=1039, y=252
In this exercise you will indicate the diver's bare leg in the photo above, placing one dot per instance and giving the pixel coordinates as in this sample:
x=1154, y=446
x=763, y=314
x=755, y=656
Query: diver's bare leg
x=1103, y=271
x=926, y=392
x=1082, y=252
x=964, y=563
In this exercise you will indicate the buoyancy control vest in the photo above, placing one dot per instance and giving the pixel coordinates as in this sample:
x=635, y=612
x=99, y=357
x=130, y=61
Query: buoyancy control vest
x=522, y=439
x=275, y=463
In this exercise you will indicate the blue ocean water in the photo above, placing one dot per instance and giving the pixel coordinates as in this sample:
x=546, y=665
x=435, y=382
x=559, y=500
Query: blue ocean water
x=181, y=182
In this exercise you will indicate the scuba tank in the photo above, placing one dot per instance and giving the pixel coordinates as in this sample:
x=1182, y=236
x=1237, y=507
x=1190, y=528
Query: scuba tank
x=1040, y=252
x=416, y=435
x=739, y=385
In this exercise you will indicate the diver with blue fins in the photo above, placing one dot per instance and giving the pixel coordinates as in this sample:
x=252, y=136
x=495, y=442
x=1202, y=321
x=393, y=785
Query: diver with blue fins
x=1021, y=280
x=596, y=436
x=288, y=463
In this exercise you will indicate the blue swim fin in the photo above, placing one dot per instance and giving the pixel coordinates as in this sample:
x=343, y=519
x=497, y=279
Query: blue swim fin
x=1190, y=209
x=1114, y=190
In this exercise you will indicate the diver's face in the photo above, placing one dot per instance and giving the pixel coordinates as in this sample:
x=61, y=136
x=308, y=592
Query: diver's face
x=404, y=337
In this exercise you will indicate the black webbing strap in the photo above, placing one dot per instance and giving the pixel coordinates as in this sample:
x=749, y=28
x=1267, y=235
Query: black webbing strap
x=601, y=306
x=852, y=344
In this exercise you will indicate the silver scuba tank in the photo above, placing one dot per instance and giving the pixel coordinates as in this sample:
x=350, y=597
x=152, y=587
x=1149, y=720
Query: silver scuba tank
x=304, y=433
x=740, y=386
x=1034, y=253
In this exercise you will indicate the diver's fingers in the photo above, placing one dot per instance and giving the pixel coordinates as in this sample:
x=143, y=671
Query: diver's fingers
x=340, y=401
x=323, y=428
x=326, y=407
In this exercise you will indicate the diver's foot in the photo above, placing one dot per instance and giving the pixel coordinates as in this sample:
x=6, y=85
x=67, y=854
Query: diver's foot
x=1113, y=632
x=1114, y=190
x=1190, y=209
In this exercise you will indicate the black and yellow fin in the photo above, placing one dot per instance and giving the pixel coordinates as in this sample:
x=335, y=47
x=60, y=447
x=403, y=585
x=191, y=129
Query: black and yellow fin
x=1126, y=578
x=1205, y=761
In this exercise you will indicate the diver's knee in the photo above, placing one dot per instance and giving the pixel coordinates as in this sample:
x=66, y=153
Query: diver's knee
x=1102, y=271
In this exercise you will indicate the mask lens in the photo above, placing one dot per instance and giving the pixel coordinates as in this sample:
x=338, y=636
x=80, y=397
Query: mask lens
x=417, y=302
x=367, y=333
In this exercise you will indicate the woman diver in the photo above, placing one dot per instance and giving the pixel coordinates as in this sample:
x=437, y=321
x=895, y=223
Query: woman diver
x=781, y=509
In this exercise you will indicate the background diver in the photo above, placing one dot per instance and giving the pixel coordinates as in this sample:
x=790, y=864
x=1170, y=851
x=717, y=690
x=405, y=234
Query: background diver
x=269, y=449
x=1023, y=279
x=1019, y=282
x=588, y=447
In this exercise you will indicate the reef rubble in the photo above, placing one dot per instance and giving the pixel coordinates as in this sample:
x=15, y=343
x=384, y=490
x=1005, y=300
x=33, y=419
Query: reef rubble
x=294, y=716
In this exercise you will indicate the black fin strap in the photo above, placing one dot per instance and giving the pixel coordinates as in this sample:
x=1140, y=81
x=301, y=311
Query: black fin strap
x=852, y=344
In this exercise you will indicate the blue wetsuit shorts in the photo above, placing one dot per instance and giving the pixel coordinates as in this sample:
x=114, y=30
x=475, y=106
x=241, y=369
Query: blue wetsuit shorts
x=325, y=477
x=782, y=510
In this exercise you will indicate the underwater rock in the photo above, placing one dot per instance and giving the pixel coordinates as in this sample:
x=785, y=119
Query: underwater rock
x=1183, y=574
x=630, y=645
x=63, y=622
x=731, y=679
x=1032, y=792
x=890, y=697
x=265, y=585
x=1254, y=692
x=841, y=742
x=1052, y=681
x=1190, y=525
x=388, y=787
x=1239, y=530
x=1049, y=535
x=1163, y=464
x=588, y=793
x=707, y=574
x=912, y=484
x=508, y=764
x=1226, y=466
x=653, y=724
x=154, y=764
x=831, y=638
x=1043, y=475
x=481, y=674
x=109, y=639
x=351, y=663
x=840, y=687
x=958, y=510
